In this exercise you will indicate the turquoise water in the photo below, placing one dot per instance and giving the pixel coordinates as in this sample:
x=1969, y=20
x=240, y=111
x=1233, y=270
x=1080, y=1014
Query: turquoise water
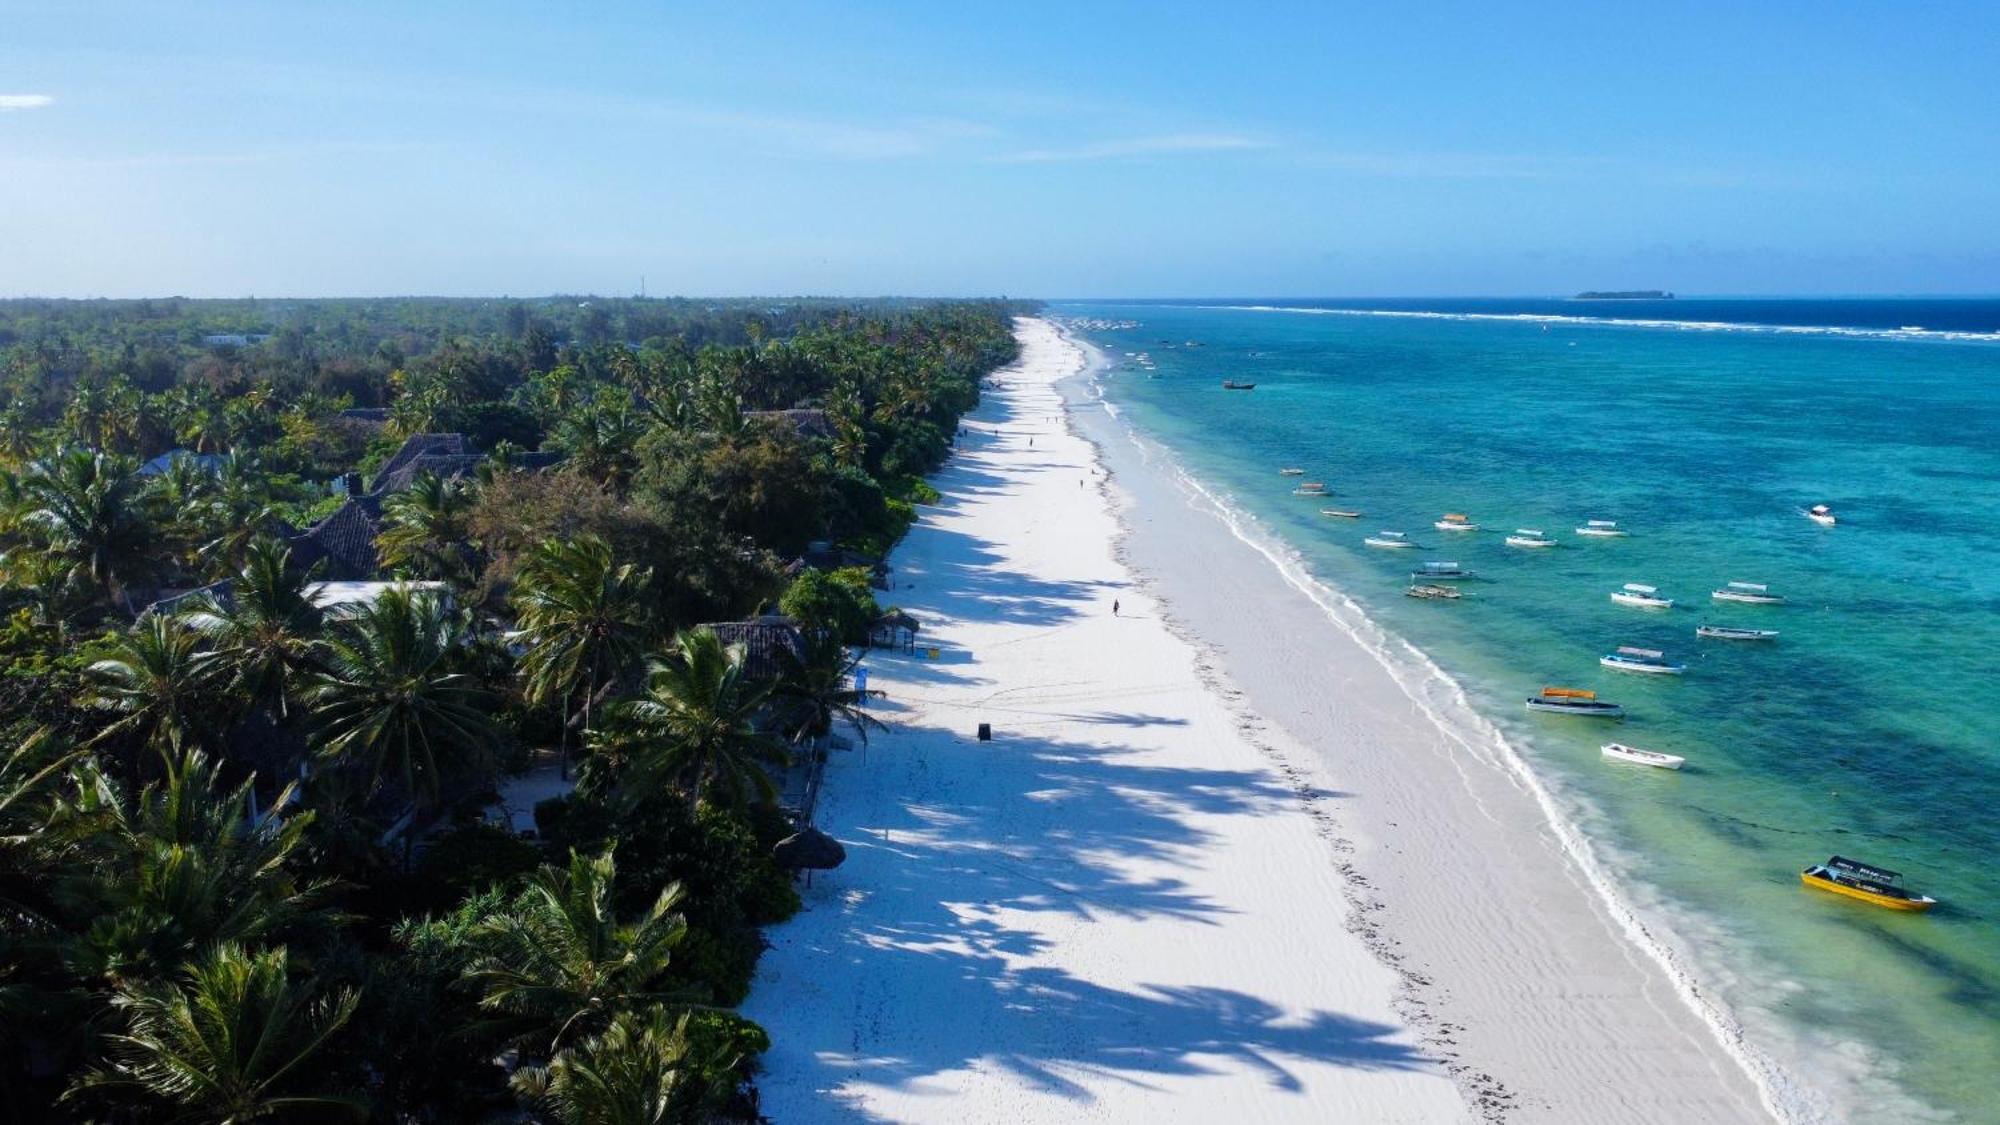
x=1865, y=730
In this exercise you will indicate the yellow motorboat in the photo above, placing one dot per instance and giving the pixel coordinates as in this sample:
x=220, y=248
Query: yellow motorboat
x=1874, y=885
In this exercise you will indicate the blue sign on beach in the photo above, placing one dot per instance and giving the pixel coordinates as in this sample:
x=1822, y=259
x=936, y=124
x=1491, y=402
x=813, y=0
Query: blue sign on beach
x=861, y=684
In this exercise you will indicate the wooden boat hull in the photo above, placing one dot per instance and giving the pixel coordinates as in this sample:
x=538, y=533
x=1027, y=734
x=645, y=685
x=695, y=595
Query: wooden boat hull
x=1448, y=525
x=1632, y=755
x=1747, y=599
x=1721, y=633
x=1914, y=905
x=1602, y=533
x=1338, y=514
x=1591, y=710
x=1531, y=544
x=1641, y=666
x=1640, y=601
x=1389, y=544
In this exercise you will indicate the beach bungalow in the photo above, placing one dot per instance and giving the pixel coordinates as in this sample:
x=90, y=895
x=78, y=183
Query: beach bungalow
x=894, y=630
x=210, y=463
x=344, y=541
x=762, y=639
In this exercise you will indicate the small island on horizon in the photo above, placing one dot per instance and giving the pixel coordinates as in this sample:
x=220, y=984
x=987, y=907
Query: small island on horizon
x=1624, y=295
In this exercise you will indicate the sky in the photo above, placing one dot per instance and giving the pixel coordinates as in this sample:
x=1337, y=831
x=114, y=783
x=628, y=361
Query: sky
x=1047, y=150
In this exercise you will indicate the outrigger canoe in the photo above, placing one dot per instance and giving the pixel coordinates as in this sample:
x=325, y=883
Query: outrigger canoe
x=1574, y=701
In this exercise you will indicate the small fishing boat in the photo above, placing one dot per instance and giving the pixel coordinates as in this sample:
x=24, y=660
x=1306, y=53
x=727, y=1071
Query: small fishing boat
x=1574, y=701
x=1731, y=633
x=1310, y=488
x=1603, y=529
x=1877, y=886
x=1529, y=537
x=1389, y=540
x=1820, y=514
x=1441, y=572
x=1752, y=593
x=1618, y=751
x=1649, y=660
x=1456, y=521
x=1346, y=515
x=1433, y=591
x=1641, y=595
x=1233, y=385
x=1291, y=472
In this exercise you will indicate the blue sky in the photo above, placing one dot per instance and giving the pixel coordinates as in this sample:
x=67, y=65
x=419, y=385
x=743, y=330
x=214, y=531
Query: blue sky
x=1139, y=149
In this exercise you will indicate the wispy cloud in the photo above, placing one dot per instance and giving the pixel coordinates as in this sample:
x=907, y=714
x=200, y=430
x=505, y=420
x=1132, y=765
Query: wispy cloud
x=11, y=102
x=1169, y=144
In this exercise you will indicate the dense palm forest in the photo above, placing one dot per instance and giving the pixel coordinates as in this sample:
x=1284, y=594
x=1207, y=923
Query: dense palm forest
x=294, y=594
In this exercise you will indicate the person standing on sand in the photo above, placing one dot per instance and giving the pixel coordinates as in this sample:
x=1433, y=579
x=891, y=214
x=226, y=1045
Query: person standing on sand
x=1114, y=607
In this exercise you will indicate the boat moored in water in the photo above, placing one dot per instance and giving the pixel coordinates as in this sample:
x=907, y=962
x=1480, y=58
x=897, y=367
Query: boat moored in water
x=1648, y=660
x=1732, y=633
x=1820, y=514
x=1574, y=701
x=1641, y=595
x=1346, y=515
x=1233, y=385
x=1750, y=593
x=1456, y=521
x=1291, y=472
x=1389, y=540
x=1432, y=591
x=1877, y=886
x=1441, y=572
x=1310, y=488
x=1618, y=751
x=1529, y=537
x=1603, y=529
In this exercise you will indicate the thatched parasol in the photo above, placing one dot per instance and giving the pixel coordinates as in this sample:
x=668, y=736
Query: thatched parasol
x=809, y=849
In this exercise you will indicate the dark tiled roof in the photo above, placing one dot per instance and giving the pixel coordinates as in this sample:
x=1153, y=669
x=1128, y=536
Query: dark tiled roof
x=805, y=423
x=345, y=540
x=374, y=415
x=762, y=638
x=446, y=465
x=416, y=446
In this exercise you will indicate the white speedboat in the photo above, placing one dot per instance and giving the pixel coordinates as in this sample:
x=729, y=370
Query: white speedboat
x=1573, y=701
x=1440, y=572
x=1291, y=472
x=1641, y=595
x=1529, y=537
x=1389, y=540
x=1648, y=660
x=1455, y=521
x=1603, y=529
x=1819, y=514
x=1310, y=488
x=1731, y=633
x=1618, y=751
x=1753, y=593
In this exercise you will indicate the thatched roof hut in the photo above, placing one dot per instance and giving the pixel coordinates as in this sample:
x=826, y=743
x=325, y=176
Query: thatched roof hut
x=762, y=638
x=809, y=850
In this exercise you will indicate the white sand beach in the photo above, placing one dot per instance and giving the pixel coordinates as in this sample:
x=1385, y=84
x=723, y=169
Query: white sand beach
x=1139, y=901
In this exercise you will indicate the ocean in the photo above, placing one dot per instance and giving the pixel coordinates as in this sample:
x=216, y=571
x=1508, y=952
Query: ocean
x=1703, y=427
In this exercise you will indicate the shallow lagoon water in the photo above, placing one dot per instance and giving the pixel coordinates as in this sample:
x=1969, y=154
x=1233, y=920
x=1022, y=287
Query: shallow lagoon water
x=1864, y=730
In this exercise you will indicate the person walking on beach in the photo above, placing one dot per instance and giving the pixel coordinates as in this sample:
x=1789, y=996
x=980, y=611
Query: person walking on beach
x=1114, y=607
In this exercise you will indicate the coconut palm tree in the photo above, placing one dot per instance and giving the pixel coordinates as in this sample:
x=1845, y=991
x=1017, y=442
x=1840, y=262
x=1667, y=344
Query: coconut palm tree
x=561, y=961
x=818, y=689
x=696, y=722
x=600, y=436
x=424, y=528
x=583, y=619
x=158, y=683
x=391, y=701
x=233, y=1041
x=88, y=510
x=640, y=1071
x=181, y=867
x=264, y=639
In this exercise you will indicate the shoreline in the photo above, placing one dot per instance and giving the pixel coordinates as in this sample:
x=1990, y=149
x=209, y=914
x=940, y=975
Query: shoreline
x=1552, y=1083
x=1540, y=1010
